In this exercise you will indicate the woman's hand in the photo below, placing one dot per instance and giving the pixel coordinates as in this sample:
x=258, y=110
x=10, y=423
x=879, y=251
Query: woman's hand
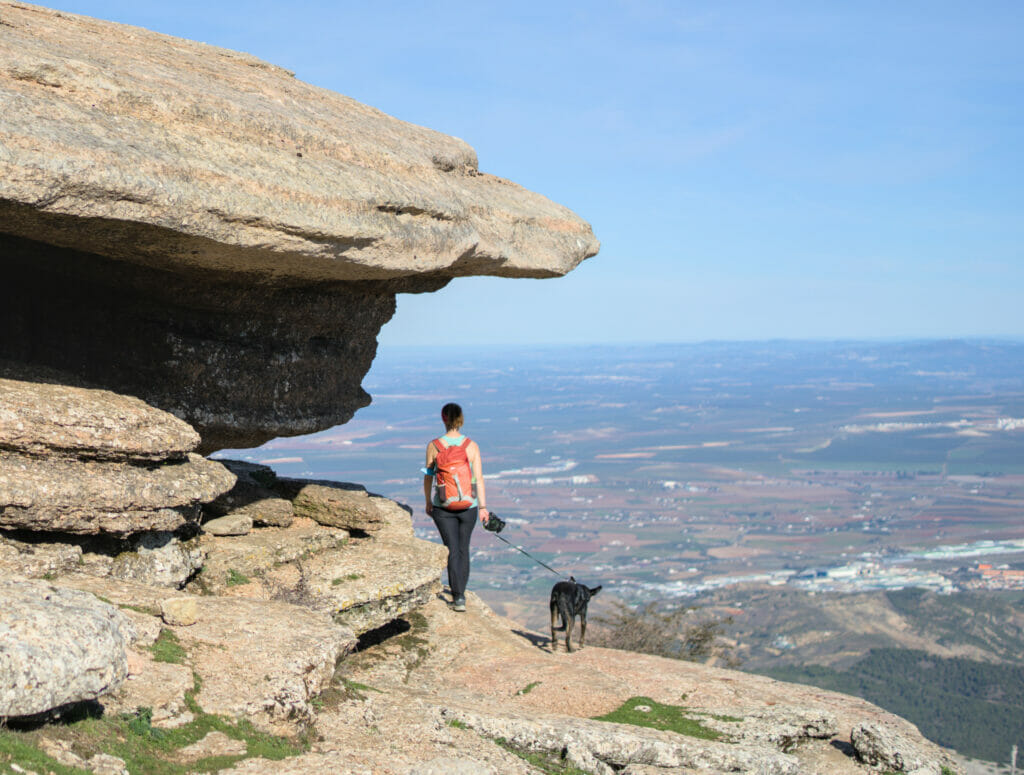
x=429, y=508
x=484, y=516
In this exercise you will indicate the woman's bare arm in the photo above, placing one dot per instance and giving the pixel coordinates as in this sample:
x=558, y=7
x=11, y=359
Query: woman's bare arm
x=473, y=453
x=428, y=479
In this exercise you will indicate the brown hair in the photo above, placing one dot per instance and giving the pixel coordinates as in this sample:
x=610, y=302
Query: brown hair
x=451, y=414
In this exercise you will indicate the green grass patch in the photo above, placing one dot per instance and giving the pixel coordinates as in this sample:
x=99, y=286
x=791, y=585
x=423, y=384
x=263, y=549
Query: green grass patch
x=355, y=686
x=140, y=609
x=16, y=748
x=145, y=749
x=547, y=762
x=454, y=722
x=673, y=718
x=167, y=648
x=235, y=578
x=528, y=688
x=349, y=577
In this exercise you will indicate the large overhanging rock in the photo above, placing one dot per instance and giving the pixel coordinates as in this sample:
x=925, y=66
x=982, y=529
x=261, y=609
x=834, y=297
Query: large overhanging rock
x=201, y=229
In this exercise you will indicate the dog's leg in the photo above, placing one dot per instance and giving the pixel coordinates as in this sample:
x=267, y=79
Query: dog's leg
x=554, y=614
x=568, y=633
x=583, y=628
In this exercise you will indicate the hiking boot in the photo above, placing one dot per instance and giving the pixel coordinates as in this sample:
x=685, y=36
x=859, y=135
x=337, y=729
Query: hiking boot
x=459, y=604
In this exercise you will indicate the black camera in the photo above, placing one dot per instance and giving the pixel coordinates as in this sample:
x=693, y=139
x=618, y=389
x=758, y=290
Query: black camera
x=494, y=523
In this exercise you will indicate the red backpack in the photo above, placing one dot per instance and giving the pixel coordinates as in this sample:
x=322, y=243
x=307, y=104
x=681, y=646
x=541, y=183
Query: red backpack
x=452, y=475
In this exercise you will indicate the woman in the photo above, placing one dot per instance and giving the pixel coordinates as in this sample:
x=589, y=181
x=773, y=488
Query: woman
x=455, y=524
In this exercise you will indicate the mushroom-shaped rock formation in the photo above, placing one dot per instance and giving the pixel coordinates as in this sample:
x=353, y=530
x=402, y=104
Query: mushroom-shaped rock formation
x=199, y=228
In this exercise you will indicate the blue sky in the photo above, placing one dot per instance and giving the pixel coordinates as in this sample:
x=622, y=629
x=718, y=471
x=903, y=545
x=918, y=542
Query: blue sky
x=753, y=169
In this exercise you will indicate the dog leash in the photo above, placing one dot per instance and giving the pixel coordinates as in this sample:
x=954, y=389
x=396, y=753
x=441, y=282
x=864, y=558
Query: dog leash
x=523, y=551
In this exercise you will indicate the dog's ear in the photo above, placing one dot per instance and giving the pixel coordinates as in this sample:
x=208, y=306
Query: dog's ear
x=596, y=589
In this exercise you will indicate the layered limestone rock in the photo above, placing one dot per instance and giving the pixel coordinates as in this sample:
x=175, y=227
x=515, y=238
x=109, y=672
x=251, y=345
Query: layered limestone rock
x=365, y=574
x=221, y=239
x=87, y=462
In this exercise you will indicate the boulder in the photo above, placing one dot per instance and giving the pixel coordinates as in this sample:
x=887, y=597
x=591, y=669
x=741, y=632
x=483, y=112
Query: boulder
x=887, y=749
x=72, y=495
x=335, y=504
x=57, y=646
x=198, y=228
x=160, y=559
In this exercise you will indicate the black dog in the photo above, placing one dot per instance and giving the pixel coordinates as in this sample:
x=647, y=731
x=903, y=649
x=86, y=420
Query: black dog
x=569, y=600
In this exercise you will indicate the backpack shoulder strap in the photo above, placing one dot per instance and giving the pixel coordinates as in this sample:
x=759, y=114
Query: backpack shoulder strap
x=439, y=444
x=465, y=442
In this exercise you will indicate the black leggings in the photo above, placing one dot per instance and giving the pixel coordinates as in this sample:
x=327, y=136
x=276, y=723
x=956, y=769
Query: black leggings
x=455, y=528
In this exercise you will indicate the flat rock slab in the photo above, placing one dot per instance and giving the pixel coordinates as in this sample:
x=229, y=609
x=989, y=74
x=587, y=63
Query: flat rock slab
x=230, y=525
x=159, y=686
x=213, y=744
x=284, y=655
x=40, y=418
x=57, y=646
x=200, y=229
x=234, y=164
x=263, y=659
x=349, y=506
x=144, y=597
x=605, y=748
x=370, y=582
x=87, y=496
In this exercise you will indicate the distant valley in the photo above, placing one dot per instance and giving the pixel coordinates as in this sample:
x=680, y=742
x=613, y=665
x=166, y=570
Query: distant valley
x=838, y=502
x=669, y=470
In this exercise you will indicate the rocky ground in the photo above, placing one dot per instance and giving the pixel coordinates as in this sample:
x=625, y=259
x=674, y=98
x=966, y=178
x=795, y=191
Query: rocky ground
x=340, y=642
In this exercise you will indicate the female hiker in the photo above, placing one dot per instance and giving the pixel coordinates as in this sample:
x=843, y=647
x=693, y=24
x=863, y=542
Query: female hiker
x=453, y=485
